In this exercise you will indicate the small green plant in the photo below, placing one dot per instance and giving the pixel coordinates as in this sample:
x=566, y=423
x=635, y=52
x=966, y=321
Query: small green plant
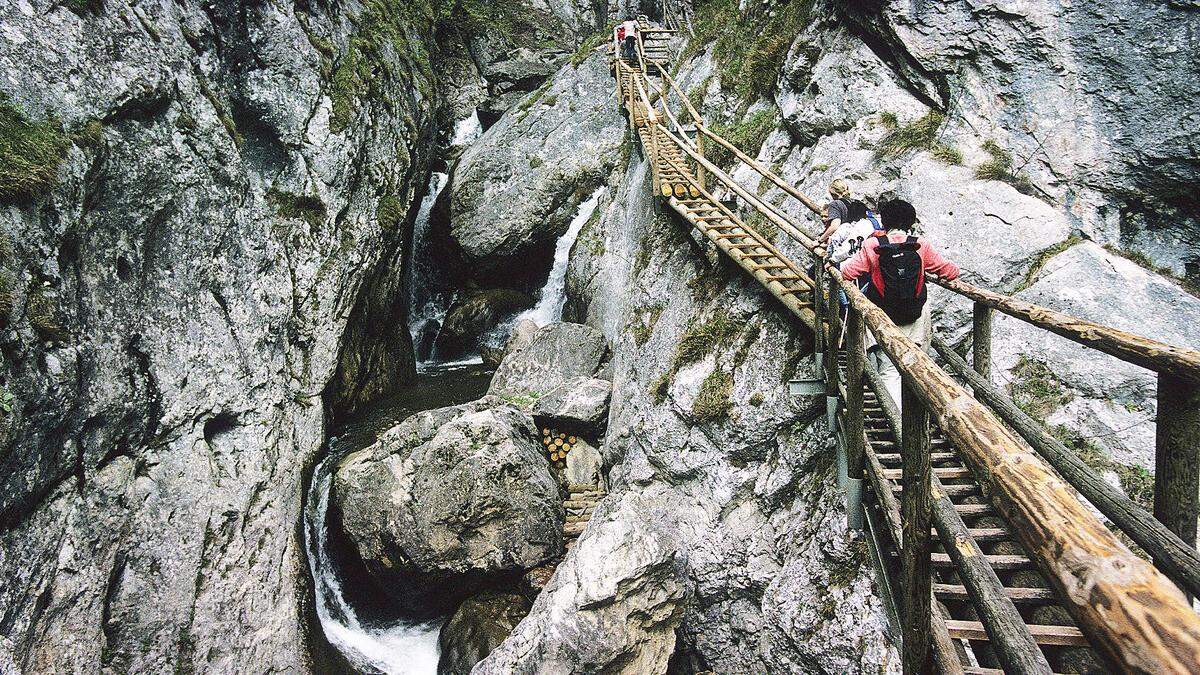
x=525, y=400
x=7, y=297
x=1136, y=481
x=712, y=402
x=1035, y=388
x=760, y=224
x=921, y=134
x=756, y=399
x=30, y=153
x=6, y=400
x=660, y=387
x=590, y=44
x=644, y=321
x=535, y=161
x=84, y=6
x=700, y=339
x=308, y=208
x=1000, y=167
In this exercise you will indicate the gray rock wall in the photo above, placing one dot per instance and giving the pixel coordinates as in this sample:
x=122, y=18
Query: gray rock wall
x=237, y=186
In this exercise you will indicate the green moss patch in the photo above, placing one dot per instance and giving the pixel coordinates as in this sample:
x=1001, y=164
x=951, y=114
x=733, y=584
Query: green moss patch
x=644, y=321
x=747, y=135
x=1136, y=481
x=389, y=213
x=43, y=317
x=1039, y=260
x=308, y=208
x=701, y=338
x=30, y=153
x=1142, y=260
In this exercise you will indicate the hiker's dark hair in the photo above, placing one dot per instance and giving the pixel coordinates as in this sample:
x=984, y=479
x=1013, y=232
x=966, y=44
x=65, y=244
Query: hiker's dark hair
x=856, y=211
x=897, y=214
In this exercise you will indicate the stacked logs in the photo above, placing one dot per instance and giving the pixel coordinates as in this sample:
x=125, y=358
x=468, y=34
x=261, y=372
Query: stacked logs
x=558, y=444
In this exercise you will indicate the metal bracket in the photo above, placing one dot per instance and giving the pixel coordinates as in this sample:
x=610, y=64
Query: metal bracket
x=806, y=387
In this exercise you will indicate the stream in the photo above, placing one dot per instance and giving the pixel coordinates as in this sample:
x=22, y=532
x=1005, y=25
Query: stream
x=371, y=640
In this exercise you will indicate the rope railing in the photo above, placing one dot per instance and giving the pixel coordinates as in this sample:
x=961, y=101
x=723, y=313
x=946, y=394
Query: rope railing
x=1131, y=612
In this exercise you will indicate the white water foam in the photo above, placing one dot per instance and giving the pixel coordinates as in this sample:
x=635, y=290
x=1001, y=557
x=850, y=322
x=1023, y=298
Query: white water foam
x=467, y=130
x=398, y=649
x=553, y=296
x=427, y=301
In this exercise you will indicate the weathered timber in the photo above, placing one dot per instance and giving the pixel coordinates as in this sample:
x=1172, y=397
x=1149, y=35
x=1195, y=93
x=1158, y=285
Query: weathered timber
x=981, y=340
x=915, y=568
x=1177, y=460
x=1174, y=556
x=1130, y=611
x=1065, y=636
x=1157, y=356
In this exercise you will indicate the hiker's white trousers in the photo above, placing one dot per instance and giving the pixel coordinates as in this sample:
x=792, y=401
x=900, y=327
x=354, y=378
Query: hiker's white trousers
x=917, y=331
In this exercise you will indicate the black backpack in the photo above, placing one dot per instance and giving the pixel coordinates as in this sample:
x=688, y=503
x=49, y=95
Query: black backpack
x=902, y=273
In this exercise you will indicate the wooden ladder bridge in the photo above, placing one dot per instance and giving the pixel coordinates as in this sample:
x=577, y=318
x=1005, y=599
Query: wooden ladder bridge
x=976, y=515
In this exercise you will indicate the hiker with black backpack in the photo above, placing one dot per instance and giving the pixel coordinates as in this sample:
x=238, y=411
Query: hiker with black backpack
x=890, y=270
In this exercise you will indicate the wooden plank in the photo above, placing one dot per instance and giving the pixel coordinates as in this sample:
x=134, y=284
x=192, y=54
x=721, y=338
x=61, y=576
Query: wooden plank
x=1000, y=562
x=1033, y=596
x=940, y=472
x=981, y=342
x=1181, y=362
x=916, y=571
x=1177, y=460
x=1174, y=556
x=1064, y=636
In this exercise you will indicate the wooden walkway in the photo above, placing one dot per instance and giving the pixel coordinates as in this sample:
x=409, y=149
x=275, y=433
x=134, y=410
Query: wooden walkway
x=994, y=562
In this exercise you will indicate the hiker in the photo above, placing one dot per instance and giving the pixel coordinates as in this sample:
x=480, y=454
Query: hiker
x=627, y=38
x=890, y=270
x=836, y=211
x=860, y=224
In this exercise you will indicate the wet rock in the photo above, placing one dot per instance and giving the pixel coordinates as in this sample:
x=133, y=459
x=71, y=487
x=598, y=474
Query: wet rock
x=554, y=355
x=516, y=189
x=479, y=625
x=579, y=403
x=476, y=314
x=450, y=498
x=612, y=606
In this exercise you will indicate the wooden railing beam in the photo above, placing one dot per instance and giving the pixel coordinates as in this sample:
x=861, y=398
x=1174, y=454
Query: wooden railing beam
x=1177, y=459
x=916, y=568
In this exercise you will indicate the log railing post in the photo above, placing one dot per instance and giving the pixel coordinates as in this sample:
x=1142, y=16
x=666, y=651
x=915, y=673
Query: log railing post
x=916, y=569
x=1177, y=456
x=853, y=432
x=700, y=149
x=981, y=343
x=819, y=309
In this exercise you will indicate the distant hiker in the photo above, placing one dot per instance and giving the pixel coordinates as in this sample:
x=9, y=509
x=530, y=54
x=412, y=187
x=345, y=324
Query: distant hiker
x=627, y=38
x=890, y=270
x=836, y=211
x=860, y=224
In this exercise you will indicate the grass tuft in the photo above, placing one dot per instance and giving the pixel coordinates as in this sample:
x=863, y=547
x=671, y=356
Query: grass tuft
x=1035, y=389
x=43, y=317
x=1000, y=167
x=389, y=213
x=1044, y=256
x=1142, y=260
x=921, y=134
x=712, y=402
x=748, y=135
x=30, y=153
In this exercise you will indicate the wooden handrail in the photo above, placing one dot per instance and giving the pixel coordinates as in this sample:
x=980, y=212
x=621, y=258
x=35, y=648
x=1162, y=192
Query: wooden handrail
x=1180, y=561
x=1151, y=354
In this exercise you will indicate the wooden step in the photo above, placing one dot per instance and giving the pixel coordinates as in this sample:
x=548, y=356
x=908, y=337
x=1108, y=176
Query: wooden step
x=1002, y=563
x=896, y=458
x=939, y=471
x=1026, y=596
x=574, y=529
x=952, y=490
x=984, y=534
x=1066, y=636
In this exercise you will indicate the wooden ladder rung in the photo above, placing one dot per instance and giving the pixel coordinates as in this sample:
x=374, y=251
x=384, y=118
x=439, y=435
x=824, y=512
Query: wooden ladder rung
x=783, y=277
x=1066, y=636
x=939, y=471
x=895, y=458
x=984, y=534
x=969, y=490
x=767, y=266
x=998, y=562
x=1029, y=596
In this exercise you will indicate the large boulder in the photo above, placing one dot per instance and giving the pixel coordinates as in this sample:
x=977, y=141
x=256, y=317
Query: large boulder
x=477, y=627
x=612, y=606
x=554, y=355
x=476, y=314
x=449, y=499
x=578, y=403
x=517, y=188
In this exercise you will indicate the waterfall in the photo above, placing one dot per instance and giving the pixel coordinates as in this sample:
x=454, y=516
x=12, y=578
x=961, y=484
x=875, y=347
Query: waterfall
x=401, y=648
x=467, y=130
x=553, y=295
x=428, y=299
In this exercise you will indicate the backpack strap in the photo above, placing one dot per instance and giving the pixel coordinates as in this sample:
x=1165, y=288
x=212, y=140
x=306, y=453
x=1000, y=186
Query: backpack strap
x=874, y=221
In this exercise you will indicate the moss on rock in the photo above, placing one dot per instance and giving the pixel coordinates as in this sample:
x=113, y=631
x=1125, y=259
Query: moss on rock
x=30, y=153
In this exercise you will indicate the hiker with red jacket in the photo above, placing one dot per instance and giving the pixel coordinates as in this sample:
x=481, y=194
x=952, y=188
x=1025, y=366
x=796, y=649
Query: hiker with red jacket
x=626, y=33
x=890, y=270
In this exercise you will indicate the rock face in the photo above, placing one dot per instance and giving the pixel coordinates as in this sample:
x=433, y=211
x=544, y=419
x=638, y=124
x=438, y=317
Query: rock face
x=177, y=302
x=579, y=403
x=478, y=313
x=556, y=354
x=612, y=606
x=449, y=498
x=516, y=189
x=479, y=625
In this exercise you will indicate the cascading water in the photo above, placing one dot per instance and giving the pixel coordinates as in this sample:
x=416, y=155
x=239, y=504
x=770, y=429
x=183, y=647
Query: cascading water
x=399, y=648
x=392, y=646
x=467, y=130
x=553, y=295
x=428, y=299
